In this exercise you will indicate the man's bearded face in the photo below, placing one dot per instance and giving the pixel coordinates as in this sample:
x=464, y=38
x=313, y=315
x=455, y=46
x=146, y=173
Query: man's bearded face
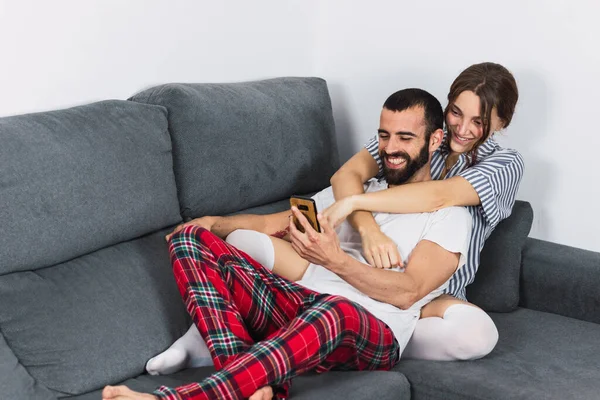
x=398, y=176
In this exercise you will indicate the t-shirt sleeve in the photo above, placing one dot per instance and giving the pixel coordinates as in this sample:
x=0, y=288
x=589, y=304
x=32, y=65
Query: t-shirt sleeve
x=450, y=228
x=496, y=180
x=324, y=198
x=372, y=147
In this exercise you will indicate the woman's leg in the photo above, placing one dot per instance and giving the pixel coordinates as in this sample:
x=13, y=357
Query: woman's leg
x=452, y=329
x=332, y=333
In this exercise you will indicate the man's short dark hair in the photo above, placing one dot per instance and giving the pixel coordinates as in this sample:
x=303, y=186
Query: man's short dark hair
x=409, y=98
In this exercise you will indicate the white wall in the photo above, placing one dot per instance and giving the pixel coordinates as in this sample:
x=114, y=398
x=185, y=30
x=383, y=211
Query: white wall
x=66, y=52
x=370, y=49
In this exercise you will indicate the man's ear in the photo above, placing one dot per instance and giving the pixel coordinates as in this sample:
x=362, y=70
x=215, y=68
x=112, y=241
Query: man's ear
x=435, y=140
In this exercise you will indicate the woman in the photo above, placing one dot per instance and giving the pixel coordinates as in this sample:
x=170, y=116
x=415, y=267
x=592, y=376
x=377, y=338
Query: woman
x=470, y=169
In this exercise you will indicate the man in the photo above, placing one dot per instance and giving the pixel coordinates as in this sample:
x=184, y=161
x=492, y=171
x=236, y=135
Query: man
x=262, y=329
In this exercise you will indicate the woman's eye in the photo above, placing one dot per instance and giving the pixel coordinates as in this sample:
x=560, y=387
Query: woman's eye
x=478, y=123
x=454, y=112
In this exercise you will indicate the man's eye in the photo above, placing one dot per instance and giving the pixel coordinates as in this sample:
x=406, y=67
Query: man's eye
x=405, y=138
x=383, y=136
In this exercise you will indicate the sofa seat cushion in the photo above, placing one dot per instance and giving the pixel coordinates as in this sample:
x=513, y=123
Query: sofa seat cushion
x=15, y=381
x=240, y=145
x=333, y=385
x=539, y=356
x=94, y=320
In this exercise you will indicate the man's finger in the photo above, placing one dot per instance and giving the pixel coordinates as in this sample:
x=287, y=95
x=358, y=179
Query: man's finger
x=308, y=229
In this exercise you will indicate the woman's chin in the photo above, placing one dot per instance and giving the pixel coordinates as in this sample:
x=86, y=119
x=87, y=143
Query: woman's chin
x=458, y=147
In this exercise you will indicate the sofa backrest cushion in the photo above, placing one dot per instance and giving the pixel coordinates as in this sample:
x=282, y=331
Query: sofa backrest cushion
x=15, y=381
x=496, y=285
x=239, y=145
x=94, y=320
x=76, y=180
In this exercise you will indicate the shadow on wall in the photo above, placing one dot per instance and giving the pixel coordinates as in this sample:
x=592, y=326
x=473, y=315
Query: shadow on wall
x=526, y=132
x=344, y=130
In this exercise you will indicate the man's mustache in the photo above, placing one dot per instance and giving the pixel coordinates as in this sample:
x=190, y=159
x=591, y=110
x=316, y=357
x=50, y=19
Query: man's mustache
x=400, y=154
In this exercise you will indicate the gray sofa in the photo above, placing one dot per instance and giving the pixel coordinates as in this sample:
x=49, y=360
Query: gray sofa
x=86, y=291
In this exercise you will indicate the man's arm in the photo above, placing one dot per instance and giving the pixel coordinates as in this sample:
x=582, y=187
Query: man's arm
x=270, y=224
x=429, y=266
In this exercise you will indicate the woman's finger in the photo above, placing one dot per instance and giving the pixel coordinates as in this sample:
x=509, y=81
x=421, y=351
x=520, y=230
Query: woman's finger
x=394, y=257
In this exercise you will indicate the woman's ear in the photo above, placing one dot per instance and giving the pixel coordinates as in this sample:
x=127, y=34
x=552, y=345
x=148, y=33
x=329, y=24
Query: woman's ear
x=435, y=141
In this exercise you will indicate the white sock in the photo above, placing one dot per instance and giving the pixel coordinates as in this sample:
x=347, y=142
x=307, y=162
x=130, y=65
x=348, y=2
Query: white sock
x=465, y=333
x=190, y=350
x=257, y=245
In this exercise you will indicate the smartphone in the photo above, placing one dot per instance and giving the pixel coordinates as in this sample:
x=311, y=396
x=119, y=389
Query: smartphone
x=308, y=207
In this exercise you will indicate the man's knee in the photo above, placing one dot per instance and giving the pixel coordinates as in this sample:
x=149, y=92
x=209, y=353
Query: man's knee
x=346, y=311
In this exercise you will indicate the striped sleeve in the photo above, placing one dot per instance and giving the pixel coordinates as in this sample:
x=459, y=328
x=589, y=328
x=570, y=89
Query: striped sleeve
x=372, y=147
x=496, y=180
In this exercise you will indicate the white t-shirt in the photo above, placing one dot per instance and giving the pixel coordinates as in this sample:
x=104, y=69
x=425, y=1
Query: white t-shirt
x=449, y=227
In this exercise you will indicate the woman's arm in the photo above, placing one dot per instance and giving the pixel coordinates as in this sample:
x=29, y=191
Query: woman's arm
x=349, y=180
x=378, y=249
x=419, y=197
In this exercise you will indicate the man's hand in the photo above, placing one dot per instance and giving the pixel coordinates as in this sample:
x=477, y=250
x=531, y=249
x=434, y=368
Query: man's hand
x=339, y=211
x=124, y=393
x=379, y=250
x=204, y=222
x=318, y=248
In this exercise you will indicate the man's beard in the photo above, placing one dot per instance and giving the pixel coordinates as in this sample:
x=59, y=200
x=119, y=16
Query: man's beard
x=399, y=176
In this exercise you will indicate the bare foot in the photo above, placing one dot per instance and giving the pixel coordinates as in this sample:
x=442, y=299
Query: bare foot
x=264, y=393
x=124, y=393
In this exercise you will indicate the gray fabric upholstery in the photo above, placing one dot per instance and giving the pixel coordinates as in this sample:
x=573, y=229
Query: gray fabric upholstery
x=96, y=319
x=539, y=356
x=76, y=180
x=15, y=381
x=561, y=279
x=334, y=385
x=239, y=145
x=496, y=285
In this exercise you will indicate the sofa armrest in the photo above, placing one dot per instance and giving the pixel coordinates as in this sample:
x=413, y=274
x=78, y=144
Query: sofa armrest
x=560, y=279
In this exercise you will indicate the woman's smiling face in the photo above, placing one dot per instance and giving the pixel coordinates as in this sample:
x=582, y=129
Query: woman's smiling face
x=465, y=124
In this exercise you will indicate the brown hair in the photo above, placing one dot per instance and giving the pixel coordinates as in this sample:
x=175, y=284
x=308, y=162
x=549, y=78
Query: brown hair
x=496, y=87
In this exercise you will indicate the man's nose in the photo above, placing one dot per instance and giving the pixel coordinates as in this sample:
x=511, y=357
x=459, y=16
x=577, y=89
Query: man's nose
x=393, y=145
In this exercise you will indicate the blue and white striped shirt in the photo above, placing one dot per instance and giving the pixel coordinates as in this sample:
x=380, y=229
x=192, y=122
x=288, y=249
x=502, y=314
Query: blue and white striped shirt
x=495, y=177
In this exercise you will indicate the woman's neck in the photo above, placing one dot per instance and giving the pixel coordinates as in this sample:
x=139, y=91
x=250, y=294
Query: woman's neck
x=451, y=159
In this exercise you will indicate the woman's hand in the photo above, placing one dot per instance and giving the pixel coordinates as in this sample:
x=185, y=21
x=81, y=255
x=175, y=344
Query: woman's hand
x=203, y=222
x=339, y=211
x=379, y=250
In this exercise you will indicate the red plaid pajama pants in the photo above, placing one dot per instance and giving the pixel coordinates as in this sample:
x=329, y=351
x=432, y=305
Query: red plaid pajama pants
x=262, y=329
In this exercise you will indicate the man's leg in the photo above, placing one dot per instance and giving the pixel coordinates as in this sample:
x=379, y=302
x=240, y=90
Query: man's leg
x=232, y=299
x=332, y=333
x=274, y=254
x=452, y=329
